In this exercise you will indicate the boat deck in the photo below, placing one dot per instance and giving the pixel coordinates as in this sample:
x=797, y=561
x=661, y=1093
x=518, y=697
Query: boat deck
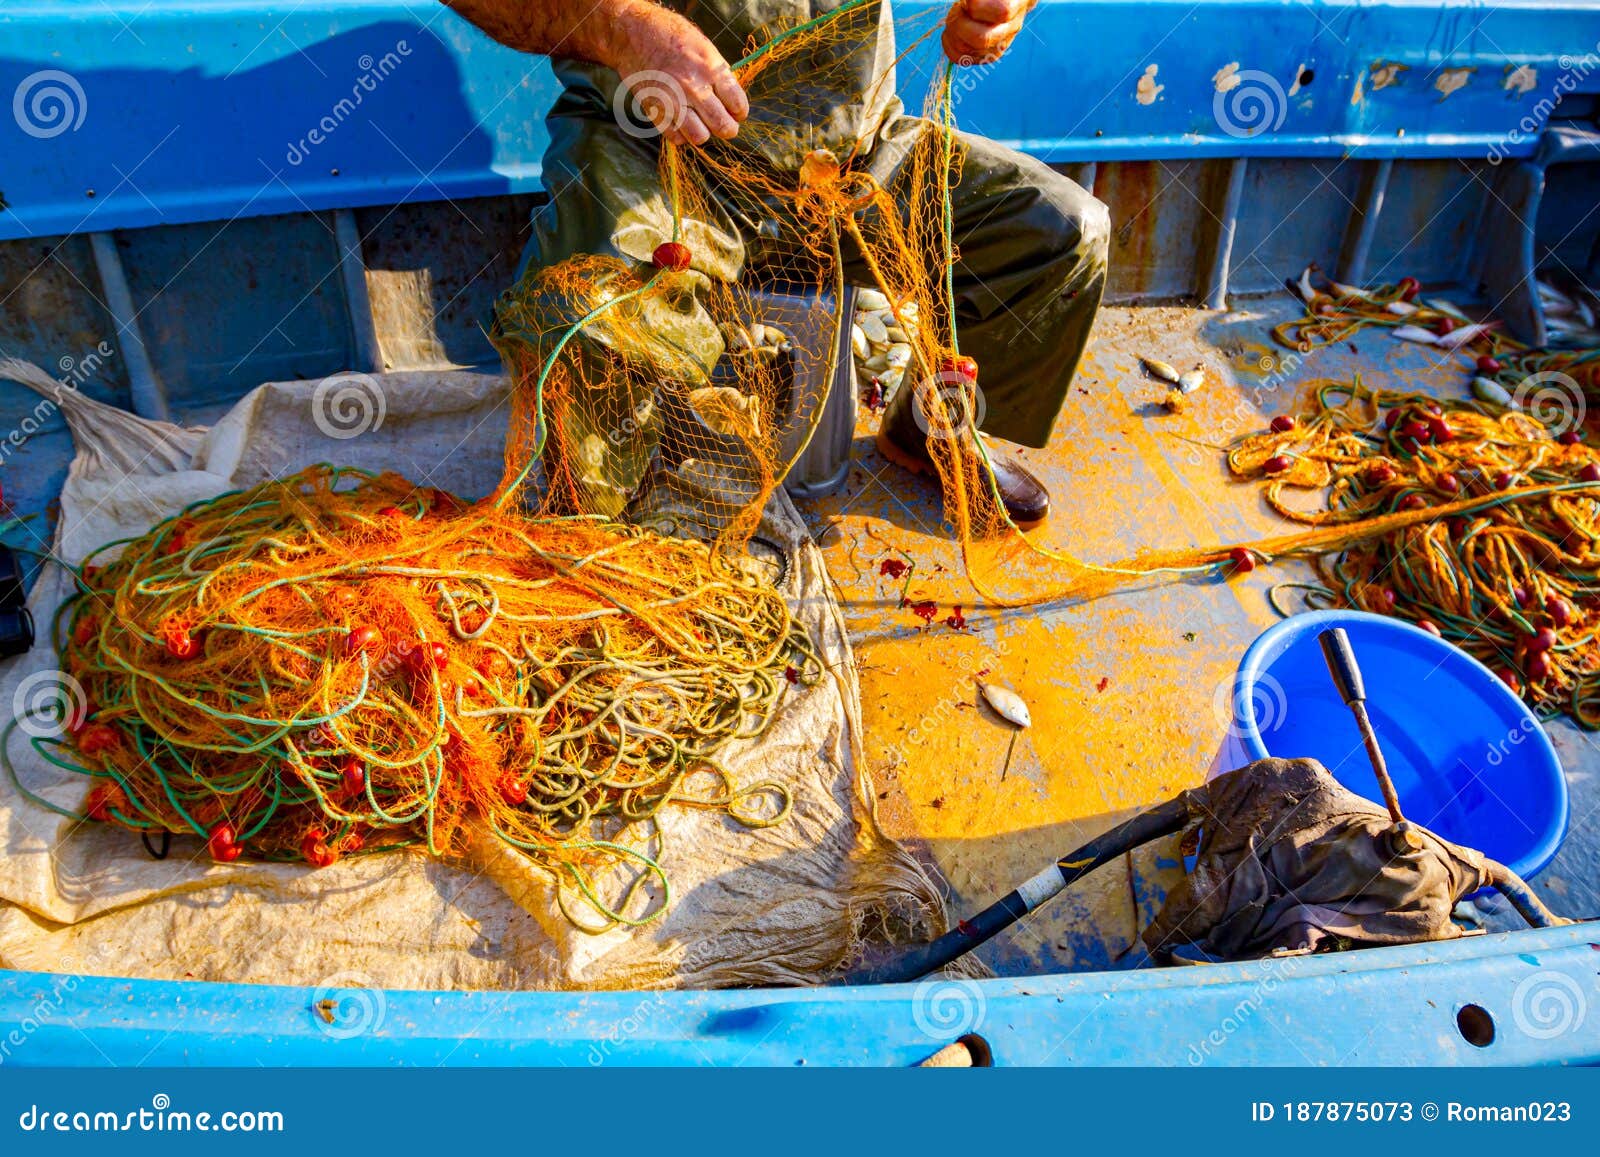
x=1130, y=693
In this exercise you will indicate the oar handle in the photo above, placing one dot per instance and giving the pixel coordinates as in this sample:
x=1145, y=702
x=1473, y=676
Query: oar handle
x=1342, y=665
x=919, y=960
x=1341, y=657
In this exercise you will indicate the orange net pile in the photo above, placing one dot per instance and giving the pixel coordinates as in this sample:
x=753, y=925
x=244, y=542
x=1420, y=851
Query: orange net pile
x=338, y=663
x=1506, y=564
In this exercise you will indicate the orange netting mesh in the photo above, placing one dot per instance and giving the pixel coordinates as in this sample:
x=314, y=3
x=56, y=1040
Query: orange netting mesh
x=338, y=662
x=594, y=344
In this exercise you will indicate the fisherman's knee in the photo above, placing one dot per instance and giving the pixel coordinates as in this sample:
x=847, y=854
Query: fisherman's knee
x=1082, y=229
x=1096, y=231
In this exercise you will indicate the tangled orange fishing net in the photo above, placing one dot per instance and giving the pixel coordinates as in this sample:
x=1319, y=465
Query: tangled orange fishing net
x=1507, y=566
x=599, y=347
x=337, y=663
x=595, y=344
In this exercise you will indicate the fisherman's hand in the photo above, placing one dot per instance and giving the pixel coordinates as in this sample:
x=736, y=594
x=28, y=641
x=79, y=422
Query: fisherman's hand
x=980, y=31
x=675, y=75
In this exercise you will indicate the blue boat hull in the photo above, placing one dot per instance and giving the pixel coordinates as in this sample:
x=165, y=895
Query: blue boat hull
x=1393, y=1006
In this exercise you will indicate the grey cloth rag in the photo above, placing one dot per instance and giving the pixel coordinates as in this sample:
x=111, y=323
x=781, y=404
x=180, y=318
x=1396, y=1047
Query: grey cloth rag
x=1289, y=859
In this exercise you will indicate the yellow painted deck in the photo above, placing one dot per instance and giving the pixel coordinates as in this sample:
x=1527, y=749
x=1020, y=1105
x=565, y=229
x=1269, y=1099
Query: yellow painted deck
x=1130, y=693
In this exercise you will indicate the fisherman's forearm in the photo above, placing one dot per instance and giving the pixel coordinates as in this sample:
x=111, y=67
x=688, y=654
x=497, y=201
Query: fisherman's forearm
x=636, y=38
x=570, y=29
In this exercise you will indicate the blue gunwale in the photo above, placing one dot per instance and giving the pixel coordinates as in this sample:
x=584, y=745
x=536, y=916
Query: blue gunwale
x=193, y=116
x=1384, y=1006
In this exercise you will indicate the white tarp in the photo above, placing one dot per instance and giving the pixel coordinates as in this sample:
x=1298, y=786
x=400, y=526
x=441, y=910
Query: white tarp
x=783, y=905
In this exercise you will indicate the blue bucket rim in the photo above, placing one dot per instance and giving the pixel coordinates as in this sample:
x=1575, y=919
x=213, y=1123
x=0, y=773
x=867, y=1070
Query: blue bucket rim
x=1274, y=640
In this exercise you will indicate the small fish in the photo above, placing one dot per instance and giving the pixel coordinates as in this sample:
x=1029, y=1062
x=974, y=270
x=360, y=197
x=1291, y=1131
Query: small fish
x=1570, y=334
x=1486, y=390
x=858, y=343
x=1342, y=290
x=1303, y=286
x=1006, y=703
x=1439, y=305
x=1462, y=334
x=1566, y=328
x=1549, y=295
x=1417, y=334
x=871, y=301
x=872, y=326
x=1160, y=369
x=1400, y=308
x=1191, y=381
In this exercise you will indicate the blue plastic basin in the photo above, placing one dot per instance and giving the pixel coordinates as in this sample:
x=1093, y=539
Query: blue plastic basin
x=1469, y=760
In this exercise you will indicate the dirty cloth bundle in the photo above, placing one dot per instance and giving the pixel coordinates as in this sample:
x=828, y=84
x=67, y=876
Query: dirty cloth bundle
x=1289, y=859
x=780, y=905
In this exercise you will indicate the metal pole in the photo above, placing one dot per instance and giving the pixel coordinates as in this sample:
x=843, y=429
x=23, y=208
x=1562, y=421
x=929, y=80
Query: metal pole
x=147, y=393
